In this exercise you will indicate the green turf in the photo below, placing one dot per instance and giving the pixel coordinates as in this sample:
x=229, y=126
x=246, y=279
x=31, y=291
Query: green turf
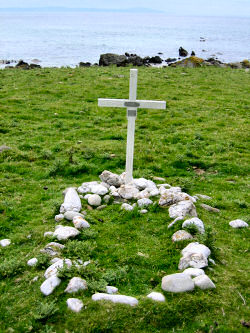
x=60, y=138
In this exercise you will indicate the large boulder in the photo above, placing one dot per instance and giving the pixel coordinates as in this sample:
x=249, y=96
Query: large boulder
x=108, y=59
x=155, y=60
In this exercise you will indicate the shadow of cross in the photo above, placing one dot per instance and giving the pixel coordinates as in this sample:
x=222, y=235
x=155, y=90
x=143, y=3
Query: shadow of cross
x=132, y=104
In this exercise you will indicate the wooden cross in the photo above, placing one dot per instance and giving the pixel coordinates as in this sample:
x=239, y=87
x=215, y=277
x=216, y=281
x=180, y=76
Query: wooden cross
x=132, y=104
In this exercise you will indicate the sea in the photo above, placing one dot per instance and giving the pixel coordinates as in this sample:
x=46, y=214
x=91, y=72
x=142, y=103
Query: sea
x=66, y=38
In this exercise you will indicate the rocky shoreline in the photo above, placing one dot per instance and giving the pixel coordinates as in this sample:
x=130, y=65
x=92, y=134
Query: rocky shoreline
x=111, y=59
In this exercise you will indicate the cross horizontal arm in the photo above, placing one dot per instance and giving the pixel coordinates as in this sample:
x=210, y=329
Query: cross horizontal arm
x=122, y=103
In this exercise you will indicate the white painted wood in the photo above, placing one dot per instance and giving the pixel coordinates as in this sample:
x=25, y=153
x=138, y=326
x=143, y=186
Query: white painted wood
x=131, y=115
x=120, y=103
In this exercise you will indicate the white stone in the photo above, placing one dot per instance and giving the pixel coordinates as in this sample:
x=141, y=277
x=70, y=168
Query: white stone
x=128, y=191
x=80, y=223
x=35, y=279
x=182, y=209
x=177, y=283
x=144, y=211
x=127, y=207
x=59, y=217
x=54, y=268
x=195, y=260
x=212, y=261
x=111, y=290
x=203, y=196
x=86, y=196
x=74, y=304
x=144, y=202
x=180, y=218
x=48, y=234
x=5, y=242
x=85, y=187
x=181, y=235
x=49, y=285
x=111, y=178
x=203, y=282
x=140, y=183
x=196, y=247
x=55, y=245
x=158, y=297
x=143, y=194
x=238, y=224
x=70, y=215
x=98, y=189
x=32, y=262
x=114, y=191
x=163, y=185
x=106, y=198
x=63, y=233
x=154, y=192
x=94, y=200
x=193, y=272
x=71, y=201
x=115, y=298
x=52, y=261
x=196, y=222
x=172, y=196
x=76, y=284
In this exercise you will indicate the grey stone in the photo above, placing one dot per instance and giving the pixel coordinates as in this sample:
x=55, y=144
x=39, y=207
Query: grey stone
x=70, y=215
x=111, y=178
x=209, y=208
x=71, y=202
x=98, y=189
x=127, y=207
x=106, y=198
x=196, y=247
x=59, y=217
x=3, y=148
x=180, y=218
x=238, y=224
x=193, y=272
x=155, y=296
x=32, y=262
x=64, y=233
x=144, y=202
x=203, y=282
x=5, y=242
x=111, y=290
x=182, y=208
x=196, y=222
x=54, y=268
x=144, y=211
x=128, y=191
x=203, y=196
x=122, y=299
x=177, y=283
x=49, y=285
x=181, y=235
x=74, y=304
x=76, y=284
x=195, y=260
x=101, y=207
x=94, y=200
x=48, y=234
x=80, y=223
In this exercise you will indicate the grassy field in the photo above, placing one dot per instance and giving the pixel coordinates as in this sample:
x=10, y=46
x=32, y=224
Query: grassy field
x=59, y=138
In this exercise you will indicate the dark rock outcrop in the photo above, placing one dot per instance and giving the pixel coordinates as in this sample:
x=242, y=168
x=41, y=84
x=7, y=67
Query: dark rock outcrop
x=168, y=60
x=84, y=64
x=155, y=60
x=108, y=59
x=192, y=54
x=24, y=65
x=183, y=52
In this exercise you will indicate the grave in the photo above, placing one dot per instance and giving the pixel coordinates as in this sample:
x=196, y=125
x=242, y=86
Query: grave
x=132, y=104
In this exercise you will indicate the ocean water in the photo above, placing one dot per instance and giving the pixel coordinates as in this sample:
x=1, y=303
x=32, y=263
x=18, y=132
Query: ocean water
x=66, y=38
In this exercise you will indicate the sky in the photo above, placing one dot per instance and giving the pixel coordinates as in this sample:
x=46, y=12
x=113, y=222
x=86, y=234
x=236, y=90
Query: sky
x=172, y=7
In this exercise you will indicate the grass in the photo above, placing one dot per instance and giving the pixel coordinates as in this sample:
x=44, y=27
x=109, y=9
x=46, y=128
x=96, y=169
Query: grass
x=59, y=138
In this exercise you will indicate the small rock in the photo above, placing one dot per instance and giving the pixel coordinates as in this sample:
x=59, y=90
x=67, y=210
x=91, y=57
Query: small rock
x=180, y=218
x=143, y=194
x=158, y=297
x=59, y=217
x=140, y=183
x=76, y=284
x=48, y=234
x=94, y=200
x=111, y=178
x=196, y=247
x=80, y=223
x=49, y=285
x=98, y=189
x=209, y=208
x=203, y=282
x=196, y=222
x=159, y=179
x=195, y=260
x=177, y=283
x=64, y=233
x=86, y=196
x=181, y=235
x=144, y=211
x=55, y=245
x=54, y=268
x=71, y=201
x=203, y=196
x=128, y=191
x=238, y=224
x=122, y=299
x=106, y=198
x=183, y=52
x=52, y=261
x=74, y=304
x=101, y=207
x=69, y=215
x=35, y=279
x=111, y=290
x=182, y=209
x=193, y=272
x=144, y=202
x=5, y=242
x=127, y=207
x=32, y=262
x=3, y=148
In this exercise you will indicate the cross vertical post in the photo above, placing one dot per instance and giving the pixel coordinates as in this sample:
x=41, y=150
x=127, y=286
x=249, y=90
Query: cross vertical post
x=131, y=115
